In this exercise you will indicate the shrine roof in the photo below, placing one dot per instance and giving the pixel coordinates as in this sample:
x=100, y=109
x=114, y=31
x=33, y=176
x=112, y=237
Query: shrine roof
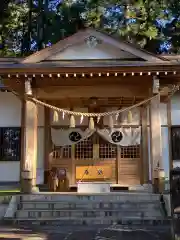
x=87, y=67
x=91, y=44
x=90, y=51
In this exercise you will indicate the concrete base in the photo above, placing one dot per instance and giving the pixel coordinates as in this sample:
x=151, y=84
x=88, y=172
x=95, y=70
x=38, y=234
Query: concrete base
x=28, y=187
x=93, y=187
x=142, y=188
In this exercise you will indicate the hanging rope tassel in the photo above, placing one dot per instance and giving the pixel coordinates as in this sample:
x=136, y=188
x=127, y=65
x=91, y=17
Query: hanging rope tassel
x=111, y=122
x=72, y=121
x=55, y=116
x=91, y=123
x=98, y=119
x=129, y=117
x=81, y=119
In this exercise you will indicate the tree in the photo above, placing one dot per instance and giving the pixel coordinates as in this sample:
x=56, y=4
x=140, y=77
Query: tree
x=13, y=20
x=172, y=28
x=136, y=22
x=153, y=25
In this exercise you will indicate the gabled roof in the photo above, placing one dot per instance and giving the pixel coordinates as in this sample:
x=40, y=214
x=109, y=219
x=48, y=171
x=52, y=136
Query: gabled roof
x=57, y=51
x=172, y=57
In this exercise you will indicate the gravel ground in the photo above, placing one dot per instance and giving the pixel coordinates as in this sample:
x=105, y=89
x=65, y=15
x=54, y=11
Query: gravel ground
x=86, y=233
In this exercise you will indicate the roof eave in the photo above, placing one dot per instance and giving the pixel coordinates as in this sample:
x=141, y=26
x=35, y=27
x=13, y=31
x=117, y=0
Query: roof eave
x=35, y=69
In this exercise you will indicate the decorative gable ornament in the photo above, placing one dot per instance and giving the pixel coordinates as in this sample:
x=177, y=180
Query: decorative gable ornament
x=92, y=41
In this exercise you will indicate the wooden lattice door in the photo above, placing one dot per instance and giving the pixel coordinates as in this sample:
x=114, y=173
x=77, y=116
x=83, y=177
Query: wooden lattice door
x=95, y=160
x=129, y=165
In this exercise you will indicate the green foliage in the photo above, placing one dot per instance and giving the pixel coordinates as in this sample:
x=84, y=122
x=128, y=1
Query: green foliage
x=13, y=19
x=134, y=21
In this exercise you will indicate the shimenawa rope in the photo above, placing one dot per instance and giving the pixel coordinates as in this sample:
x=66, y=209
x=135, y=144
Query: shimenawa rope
x=65, y=111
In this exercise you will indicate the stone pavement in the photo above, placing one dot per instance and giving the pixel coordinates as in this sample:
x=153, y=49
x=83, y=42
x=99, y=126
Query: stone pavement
x=86, y=233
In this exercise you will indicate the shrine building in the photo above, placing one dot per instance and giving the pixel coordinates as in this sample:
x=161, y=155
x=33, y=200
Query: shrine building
x=98, y=108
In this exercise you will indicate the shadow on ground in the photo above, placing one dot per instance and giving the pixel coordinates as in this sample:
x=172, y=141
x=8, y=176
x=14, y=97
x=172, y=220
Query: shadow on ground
x=85, y=233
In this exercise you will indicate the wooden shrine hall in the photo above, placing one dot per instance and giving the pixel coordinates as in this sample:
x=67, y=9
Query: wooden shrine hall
x=101, y=100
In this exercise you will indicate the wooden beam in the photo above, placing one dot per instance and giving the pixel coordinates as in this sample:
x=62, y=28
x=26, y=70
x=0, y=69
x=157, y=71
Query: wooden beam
x=90, y=91
x=91, y=81
x=84, y=102
x=14, y=84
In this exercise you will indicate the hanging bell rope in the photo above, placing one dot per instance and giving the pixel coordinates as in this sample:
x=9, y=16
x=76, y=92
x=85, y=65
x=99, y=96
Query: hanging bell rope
x=91, y=123
x=72, y=122
x=55, y=116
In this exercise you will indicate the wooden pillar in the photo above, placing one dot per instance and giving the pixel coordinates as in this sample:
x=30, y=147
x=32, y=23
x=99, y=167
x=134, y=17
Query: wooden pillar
x=156, y=145
x=29, y=151
x=73, y=165
x=156, y=139
x=169, y=123
x=47, y=143
x=22, y=136
x=144, y=147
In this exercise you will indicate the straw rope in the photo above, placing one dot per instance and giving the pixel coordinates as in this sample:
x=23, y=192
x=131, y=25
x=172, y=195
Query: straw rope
x=103, y=114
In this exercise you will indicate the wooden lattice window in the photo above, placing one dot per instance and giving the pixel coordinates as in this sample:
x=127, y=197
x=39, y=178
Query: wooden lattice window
x=62, y=152
x=84, y=149
x=10, y=143
x=130, y=151
x=107, y=150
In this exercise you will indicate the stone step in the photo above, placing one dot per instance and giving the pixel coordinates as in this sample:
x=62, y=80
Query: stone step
x=85, y=213
x=87, y=200
x=74, y=197
x=132, y=211
x=86, y=220
x=89, y=205
x=70, y=208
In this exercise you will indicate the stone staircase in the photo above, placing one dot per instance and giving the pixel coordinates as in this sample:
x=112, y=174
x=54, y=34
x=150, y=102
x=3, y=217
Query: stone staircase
x=68, y=209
